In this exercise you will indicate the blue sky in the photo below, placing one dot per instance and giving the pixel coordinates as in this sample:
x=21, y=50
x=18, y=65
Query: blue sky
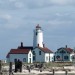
x=18, y=18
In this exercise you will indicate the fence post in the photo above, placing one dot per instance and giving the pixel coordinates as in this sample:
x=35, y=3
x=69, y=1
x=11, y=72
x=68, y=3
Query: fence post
x=10, y=68
x=66, y=72
x=0, y=67
x=28, y=67
x=53, y=72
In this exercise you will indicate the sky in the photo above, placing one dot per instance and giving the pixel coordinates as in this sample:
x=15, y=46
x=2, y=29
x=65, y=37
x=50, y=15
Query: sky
x=18, y=19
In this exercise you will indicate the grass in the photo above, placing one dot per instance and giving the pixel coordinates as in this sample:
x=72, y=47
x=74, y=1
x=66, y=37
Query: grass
x=50, y=64
x=58, y=64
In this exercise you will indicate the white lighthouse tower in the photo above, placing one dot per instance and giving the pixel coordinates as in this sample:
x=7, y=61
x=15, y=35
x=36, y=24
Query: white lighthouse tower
x=38, y=37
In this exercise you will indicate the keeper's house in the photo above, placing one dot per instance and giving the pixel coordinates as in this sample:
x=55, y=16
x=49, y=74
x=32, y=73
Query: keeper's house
x=64, y=54
x=22, y=53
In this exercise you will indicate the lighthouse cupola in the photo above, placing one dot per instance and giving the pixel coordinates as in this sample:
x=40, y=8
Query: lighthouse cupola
x=38, y=37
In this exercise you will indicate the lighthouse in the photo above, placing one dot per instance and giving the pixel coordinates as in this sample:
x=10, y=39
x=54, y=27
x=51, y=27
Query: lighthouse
x=38, y=37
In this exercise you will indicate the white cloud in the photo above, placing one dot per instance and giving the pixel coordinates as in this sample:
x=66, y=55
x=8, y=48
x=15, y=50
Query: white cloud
x=47, y=3
x=11, y=26
x=59, y=15
x=4, y=19
x=14, y=4
x=62, y=2
x=12, y=0
x=7, y=16
x=19, y=4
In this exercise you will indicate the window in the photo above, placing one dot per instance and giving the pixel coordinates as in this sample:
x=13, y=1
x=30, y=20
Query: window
x=15, y=60
x=47, y=58
x=65, y=57
x=62, y=51
x=30, y=55
x=57, y=56
x=33, y=52
x=57, y=51
x=36, y=33
x=39, y=52
x=33, y=58
x=73, y=57
x=24, y=59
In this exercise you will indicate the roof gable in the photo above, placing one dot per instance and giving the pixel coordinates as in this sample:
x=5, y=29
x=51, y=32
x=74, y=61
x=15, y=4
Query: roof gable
x=45, y=49
x=69, y=50
x=18, y=51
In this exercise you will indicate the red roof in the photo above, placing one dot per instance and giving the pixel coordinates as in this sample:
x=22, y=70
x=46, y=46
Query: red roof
x=18, y=51
x=45, y=49
x=69, y=50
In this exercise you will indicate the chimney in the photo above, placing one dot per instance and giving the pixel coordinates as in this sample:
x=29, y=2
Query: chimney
x=38, y=45
x=43, y=45
x=66, y=46
x=21, y=44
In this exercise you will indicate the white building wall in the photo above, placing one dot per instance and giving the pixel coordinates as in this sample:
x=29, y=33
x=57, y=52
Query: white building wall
x=30, y=57
x=71, y=56
x=39, y=58
x=44, y=57
x=18, y=56
x=22, y=57
x=49, y=57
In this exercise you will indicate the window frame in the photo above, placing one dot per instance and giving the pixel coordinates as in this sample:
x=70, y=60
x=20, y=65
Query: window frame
x=47, y=58
x=66, y=57
x=24, y=59
x=39, y=52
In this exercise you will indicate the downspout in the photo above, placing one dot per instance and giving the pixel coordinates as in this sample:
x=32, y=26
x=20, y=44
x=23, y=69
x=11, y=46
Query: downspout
x=49, y=57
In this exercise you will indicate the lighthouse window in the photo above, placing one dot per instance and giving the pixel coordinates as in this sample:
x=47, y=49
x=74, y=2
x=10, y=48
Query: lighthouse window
x=39, y=52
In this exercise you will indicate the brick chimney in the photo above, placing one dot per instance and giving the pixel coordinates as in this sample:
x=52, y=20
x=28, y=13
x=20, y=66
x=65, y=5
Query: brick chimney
x=21, y=44
x=38, y=45
x=66, y=46
x=43, y=45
